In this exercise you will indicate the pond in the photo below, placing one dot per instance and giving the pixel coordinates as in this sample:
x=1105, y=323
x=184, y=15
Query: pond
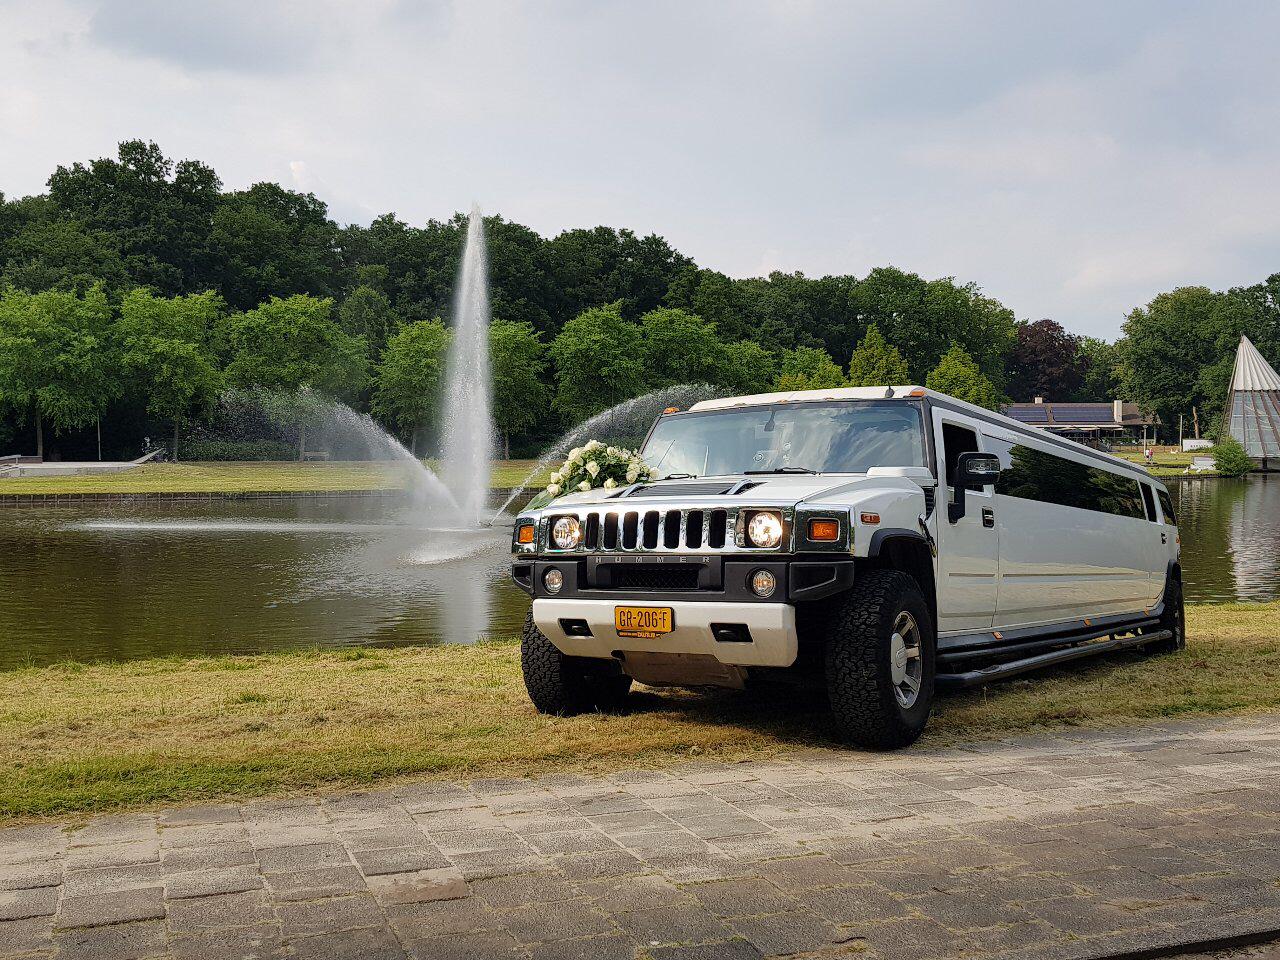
x=125, y=581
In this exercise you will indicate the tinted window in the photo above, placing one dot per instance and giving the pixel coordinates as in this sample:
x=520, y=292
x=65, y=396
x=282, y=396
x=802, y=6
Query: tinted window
x=1033, y=474
x=1149, y=502
x=955, y=441
x=1166, y=507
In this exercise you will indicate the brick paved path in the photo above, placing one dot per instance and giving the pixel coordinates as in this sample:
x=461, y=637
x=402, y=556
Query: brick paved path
x=1071, y=845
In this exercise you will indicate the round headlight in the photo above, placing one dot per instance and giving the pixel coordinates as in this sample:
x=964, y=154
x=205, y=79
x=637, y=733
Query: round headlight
x=567, y=533
x=553, y=580
x=765, y=530
x=763, y=583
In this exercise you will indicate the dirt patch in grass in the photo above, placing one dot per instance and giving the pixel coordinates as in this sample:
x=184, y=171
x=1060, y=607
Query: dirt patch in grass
x=81, y=737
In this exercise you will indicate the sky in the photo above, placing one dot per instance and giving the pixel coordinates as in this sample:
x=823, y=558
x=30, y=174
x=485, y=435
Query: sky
x=1071, y=159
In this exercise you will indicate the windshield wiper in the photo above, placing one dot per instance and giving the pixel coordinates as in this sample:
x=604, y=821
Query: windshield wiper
x=780, y=470
x=679, y=476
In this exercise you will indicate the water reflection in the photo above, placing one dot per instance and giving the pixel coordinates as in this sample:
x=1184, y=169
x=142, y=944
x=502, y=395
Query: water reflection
x=1230, y=537
x=128, y=581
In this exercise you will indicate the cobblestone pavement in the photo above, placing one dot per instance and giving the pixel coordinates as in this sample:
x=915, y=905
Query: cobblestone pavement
x=1070, y=845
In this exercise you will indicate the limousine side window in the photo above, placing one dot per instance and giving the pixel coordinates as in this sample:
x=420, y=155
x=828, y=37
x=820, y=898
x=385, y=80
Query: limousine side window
x=1148, y=501
x=1166, y=507
x=1033, y=474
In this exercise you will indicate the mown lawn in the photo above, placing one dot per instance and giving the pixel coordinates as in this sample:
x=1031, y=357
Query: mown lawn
x=1167, y=461
x=94, y=737
x=247, y=478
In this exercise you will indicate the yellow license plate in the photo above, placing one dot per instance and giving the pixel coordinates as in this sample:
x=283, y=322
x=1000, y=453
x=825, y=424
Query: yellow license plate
x=643, y=622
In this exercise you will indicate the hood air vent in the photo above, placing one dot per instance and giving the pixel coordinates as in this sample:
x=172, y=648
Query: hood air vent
x=712, y=488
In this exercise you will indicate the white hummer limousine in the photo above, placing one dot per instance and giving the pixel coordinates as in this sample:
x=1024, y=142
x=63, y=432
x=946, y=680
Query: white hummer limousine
x=887, y=541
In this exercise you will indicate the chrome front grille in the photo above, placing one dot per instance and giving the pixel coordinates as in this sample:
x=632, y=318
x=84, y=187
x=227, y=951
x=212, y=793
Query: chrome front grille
x=614, y=529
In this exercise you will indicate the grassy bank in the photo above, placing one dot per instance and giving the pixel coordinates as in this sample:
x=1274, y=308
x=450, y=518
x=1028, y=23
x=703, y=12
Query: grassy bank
x=246, y=478
x=1168, y=461
x=90, y=737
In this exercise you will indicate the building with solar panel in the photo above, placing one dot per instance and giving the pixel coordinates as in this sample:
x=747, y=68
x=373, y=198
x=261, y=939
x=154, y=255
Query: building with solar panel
x=1095, y=424
x=1254, y=405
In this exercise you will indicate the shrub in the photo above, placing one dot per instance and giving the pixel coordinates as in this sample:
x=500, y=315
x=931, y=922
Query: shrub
x=1230, y=459
x=236, y=450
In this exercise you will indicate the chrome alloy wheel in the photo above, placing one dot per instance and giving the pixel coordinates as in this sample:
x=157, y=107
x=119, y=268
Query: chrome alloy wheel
x=906, y=665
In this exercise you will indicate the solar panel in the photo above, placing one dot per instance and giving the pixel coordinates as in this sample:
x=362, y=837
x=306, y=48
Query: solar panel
x=1080, y=413
x=1035, y=414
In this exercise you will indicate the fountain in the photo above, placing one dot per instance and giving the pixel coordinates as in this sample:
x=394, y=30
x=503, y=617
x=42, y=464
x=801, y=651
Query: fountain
x=467, y=450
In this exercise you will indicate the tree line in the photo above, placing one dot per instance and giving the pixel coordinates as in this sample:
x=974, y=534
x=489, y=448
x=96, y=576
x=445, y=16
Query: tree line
x=136, y=289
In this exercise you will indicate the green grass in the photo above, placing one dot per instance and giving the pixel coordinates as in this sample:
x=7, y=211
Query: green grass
x=81, y=737
x=1167, y=461
x=247, y=478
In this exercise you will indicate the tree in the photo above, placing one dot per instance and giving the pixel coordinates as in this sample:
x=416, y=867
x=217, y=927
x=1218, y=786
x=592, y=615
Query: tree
x=294, y=347
x=745, y=368
x=958, y=376
x=271, y=242
x=166, y=348
x=598, y=363
x=520, y=390
x=1166, y=346
x=368, y=313
x=876, y=363
x=1230, y=458
x=159, y=212
x=603, y=265
x=808, y=368
x=410, y=379
x=679, y=348
x=1100, y=378
x=921, y=316
x=1045, y=362
x=56, y=357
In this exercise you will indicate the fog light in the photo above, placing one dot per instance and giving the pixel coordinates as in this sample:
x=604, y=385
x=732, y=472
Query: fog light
x=553, y=580
x=763, y=583
x=765, y=529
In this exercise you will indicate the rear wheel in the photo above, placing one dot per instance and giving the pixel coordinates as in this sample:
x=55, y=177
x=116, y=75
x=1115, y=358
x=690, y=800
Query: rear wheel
x=564, y=686
x=1173, y=617
x=880, y=661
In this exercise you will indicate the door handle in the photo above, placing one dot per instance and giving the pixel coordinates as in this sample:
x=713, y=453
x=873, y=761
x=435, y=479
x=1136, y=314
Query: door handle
x=1164, y=538
x=988, y=517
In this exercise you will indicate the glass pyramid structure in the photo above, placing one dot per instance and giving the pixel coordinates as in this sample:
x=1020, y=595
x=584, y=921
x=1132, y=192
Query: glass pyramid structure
x=1255, y=405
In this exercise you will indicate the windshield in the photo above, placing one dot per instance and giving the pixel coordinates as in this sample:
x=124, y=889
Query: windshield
x=848, y=436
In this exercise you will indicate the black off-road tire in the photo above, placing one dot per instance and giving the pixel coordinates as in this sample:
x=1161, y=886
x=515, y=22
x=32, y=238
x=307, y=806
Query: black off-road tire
x=565, y=686
x=1172, y=617
x=858, y=669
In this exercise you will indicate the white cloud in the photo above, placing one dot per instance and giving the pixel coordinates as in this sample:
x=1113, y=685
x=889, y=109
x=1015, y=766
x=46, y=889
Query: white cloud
x=1072, y=160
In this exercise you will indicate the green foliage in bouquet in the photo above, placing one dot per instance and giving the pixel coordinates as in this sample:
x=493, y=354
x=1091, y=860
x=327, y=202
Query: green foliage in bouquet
x=594, y=465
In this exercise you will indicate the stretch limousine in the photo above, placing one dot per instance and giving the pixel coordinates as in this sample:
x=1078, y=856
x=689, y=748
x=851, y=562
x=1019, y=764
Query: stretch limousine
x=885, y=541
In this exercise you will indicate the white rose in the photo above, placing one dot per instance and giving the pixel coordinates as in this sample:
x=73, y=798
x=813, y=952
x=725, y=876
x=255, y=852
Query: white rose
x=593, y=468
x=553, y=489
x=574, y=454
x=594, y=445
x=584, y=486
x=632, y=474
x=610, y=483
x=557, y=477
x=614, y=452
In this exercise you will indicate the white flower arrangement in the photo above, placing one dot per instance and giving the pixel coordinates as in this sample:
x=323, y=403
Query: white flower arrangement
x=595, y=465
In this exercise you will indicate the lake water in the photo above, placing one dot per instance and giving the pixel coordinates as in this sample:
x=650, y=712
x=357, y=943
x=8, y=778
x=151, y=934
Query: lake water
x=124, y=581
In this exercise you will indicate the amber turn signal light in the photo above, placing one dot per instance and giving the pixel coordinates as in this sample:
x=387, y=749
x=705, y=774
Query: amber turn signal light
x=824, y=531
x=671, y=410
x=871, y=518
x=525, y=533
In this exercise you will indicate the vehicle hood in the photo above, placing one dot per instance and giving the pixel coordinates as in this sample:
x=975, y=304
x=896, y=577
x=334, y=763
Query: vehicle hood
x=768, y=490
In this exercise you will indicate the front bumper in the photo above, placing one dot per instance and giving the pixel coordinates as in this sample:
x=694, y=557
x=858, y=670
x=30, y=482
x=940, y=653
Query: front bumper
x=771, y=628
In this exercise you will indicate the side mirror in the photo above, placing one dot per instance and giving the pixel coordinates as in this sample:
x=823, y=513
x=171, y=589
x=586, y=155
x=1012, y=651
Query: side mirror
x=972, y=468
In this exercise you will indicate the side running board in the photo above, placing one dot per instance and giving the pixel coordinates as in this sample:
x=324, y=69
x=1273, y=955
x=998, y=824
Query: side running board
x=1003, y=671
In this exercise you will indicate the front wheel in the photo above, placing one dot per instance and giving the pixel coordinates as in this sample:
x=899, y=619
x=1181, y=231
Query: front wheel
x=565, y=686
x=880, y=662
x=1173, y=617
